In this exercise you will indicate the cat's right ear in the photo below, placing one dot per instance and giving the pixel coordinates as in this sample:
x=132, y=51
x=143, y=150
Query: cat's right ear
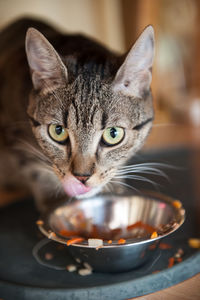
x=47, y=68
x=134, y=76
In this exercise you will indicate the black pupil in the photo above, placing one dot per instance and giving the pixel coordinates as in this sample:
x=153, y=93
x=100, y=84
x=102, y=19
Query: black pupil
x=113, y=132
x=58, y=129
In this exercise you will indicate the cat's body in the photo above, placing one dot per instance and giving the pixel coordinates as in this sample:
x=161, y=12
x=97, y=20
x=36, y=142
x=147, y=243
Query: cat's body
x=78, y=97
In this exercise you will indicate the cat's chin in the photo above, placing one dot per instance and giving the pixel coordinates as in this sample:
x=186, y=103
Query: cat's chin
x=89, y=194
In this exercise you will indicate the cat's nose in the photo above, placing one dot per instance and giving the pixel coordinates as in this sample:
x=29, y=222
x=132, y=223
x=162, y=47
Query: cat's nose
x=82, y=177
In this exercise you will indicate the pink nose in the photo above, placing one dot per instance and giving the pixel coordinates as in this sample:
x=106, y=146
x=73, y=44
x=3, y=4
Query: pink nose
x=82, y=178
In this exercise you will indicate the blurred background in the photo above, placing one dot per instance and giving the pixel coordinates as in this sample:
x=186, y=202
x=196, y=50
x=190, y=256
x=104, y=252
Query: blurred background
x=176, y=73
x=117, y=24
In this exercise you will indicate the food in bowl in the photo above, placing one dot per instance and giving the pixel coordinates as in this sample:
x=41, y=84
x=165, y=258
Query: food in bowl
x=126, y=229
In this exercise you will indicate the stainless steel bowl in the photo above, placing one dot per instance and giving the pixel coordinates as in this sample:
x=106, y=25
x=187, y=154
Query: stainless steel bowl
x=110, y=213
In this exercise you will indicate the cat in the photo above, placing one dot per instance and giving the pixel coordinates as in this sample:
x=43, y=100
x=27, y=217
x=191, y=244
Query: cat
x=72, y=111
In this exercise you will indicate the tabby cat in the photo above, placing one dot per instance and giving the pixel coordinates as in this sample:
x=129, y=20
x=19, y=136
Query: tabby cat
x=73, y=114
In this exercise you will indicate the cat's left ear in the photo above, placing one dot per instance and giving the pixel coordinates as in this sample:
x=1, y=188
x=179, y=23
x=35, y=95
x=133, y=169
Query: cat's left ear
x=47, y=68
x=134, y=76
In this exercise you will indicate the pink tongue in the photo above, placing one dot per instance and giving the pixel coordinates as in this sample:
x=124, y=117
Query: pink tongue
x=73, y=187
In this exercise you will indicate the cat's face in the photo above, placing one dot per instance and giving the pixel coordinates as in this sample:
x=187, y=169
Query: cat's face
x=88, y=127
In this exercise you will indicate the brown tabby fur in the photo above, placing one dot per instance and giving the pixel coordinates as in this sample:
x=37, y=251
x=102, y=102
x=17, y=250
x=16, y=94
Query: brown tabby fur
x=86, y=104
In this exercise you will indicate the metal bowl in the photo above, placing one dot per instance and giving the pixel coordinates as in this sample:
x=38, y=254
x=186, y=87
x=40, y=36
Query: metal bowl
x=115, y=213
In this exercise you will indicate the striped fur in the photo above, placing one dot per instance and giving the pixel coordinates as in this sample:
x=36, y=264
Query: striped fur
x=86, y=104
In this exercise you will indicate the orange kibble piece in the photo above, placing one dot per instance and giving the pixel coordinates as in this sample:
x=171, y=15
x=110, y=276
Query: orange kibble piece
x=121, y=241
x=154, y=235
x=109, y=241
x=179, y=259
x=135, y=225
x=177, y=204
x=194, y=243
x=140, y=224
x=75, y=241
x=68, y=233
x=39, y=222
x=51, y=235
x=171, y=262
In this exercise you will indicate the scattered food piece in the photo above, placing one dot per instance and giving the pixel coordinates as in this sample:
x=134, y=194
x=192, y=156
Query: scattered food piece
x=194, y=243
x=71, y=268
x=154, y=235
x=68, y=233
x=51, y=235
x=165, y=246
x=74, y=241
x=135, y=225
x=95, y=243
x=140, y=224
x=179, y=259
x=87, y=266
x=182, y=211
x=179, y=253
x=84, y=272
x=97, y=248
x=171, y=261
x=148, y=228
x=39, y=222
x=48, y=256
x=175, y=224
x=109, y=241
x=177, y=204
x=121, y=241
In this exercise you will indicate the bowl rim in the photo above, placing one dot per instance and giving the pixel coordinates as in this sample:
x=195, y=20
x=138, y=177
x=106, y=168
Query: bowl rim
x=47, y=231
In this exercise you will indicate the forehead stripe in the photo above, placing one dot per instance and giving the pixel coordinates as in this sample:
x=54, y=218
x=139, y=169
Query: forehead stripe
x=65, y=117
x=103, y=121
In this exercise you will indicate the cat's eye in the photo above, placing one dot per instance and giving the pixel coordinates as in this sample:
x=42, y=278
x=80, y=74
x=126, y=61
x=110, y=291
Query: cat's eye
x=58, y=133
x=113, y=136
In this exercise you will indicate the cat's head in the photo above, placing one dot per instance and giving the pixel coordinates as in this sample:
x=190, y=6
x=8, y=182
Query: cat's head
x=88, y=125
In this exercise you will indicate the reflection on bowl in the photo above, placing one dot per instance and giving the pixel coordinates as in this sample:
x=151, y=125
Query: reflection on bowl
x=139, y=221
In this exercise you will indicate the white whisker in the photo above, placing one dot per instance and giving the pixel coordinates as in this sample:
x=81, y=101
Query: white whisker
x=58, y=189
x=24, y=145
x=136, y=177
x=152, y=168
x=124, y=184
x=108, y=187
x=151, y=171
x=164, y=124
x=151, y=165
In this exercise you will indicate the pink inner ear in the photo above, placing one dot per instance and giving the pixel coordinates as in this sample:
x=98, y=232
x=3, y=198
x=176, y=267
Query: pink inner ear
x=46, y=65
x=134, y=75
x=73, y=187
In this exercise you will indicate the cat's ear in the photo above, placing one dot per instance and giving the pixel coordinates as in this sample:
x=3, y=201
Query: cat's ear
x=134, y=76
x=47, y=68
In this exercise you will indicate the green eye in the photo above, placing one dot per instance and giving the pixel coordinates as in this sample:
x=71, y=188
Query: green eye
x=113, y=136
x=58, y=133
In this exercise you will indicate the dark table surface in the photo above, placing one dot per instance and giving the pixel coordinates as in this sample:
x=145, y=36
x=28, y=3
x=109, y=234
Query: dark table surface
x=22, y=277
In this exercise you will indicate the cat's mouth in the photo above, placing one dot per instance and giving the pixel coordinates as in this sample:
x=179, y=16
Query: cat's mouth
x=73, y=187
